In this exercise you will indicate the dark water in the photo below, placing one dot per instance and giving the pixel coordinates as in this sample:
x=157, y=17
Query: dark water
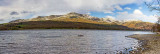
x=63, y=41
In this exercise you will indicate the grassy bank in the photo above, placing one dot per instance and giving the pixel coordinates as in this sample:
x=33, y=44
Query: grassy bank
x=60, y=25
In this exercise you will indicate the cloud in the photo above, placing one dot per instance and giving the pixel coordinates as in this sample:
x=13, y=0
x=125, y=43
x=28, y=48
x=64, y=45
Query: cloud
x=118, y=8
x=127, y=8
x=136, y=15
x=1, y=19
x=14, y=13
x=110, y=17
x=137, y=12
x=34, y=8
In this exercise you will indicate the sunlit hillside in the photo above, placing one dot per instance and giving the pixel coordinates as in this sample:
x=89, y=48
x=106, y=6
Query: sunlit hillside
x=139, y=25
x=75, y=21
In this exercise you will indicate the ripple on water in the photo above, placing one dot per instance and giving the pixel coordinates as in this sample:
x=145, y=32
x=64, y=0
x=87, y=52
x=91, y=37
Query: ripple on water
x=65, y=41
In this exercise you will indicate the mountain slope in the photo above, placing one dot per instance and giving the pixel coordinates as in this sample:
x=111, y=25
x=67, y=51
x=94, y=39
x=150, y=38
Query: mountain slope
x=75, y=21
x=59, y=25
x=67, y=17
x=138, y=25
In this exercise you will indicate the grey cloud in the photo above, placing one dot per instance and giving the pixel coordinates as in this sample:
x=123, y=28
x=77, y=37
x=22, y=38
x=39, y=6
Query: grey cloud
x=50, y=7
x=1, y=19
x=5, y=2
x=25, y=12
x=15, y=17
x=14, y=13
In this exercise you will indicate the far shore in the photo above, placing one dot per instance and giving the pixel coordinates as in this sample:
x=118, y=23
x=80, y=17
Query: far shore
x=150, y=43
x=76, y=29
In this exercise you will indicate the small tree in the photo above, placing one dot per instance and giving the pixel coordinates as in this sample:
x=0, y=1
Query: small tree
x=156, y=27
x=155, y=5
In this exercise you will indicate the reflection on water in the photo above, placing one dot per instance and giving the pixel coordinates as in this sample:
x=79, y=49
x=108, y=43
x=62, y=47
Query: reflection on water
x=63, y=41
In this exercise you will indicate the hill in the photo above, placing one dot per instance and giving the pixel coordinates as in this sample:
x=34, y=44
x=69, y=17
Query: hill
x=59, y=25
x=74, y=21
x=139, y=25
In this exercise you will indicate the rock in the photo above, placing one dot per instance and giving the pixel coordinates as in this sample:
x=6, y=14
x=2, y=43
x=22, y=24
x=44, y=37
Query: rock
x=80, y=35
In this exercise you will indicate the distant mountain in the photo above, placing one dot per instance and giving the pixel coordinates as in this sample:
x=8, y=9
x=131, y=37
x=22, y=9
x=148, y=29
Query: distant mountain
x=71, y=15
x=82, y=21
x=19, y=20
x=139, y=25
x=109, y=20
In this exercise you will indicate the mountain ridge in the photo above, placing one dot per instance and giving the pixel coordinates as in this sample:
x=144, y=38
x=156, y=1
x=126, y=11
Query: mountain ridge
x=85, y=18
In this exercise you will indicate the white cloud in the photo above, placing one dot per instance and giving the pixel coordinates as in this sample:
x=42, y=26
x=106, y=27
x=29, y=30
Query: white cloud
x=88, y=13
x=156, y=5
x=118, y=8
x=127, y=8
x=137, y=12
x=33, y=8
x=110, y=17
x=110, y=12
x=136, y=15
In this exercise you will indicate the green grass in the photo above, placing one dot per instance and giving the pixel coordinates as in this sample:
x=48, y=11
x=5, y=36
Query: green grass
x=60, y=25
x=157, y=34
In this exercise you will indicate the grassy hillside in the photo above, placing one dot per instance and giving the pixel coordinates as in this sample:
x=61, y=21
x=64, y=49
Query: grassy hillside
x=139, y=25
x=59, y=25
x=74, y=21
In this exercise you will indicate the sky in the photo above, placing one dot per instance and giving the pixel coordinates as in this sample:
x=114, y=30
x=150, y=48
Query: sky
x=118, y=9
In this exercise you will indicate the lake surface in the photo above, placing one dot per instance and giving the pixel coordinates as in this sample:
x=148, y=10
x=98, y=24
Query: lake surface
x=65, y=41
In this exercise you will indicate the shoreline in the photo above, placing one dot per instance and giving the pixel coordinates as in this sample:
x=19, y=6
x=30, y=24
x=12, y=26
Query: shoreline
x=149, y=43
x=74, y=29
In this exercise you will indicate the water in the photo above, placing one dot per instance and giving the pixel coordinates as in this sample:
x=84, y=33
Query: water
x=63, y=41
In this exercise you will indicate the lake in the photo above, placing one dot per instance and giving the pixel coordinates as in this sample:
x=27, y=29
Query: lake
x=66, y=41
